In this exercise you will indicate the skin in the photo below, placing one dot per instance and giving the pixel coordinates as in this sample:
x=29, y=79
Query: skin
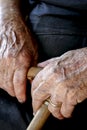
x=18, y=50
x=64, y=81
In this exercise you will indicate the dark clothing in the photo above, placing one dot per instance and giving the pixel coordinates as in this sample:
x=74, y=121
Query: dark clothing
x=14, y=115
x=59, y=26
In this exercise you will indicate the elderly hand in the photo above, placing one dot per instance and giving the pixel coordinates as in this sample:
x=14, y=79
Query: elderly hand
x=18, y=51
x=64, y=81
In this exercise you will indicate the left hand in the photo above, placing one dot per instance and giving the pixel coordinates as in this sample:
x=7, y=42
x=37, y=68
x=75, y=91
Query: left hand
x=64, y=81
x=18, y=52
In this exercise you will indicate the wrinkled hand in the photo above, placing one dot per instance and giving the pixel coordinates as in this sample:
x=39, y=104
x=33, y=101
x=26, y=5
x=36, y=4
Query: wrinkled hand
x=64, y=81
x=18, y=52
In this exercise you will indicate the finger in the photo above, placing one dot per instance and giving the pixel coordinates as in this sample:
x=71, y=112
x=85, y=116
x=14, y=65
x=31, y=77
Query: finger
x=39, y=95
x=67, y=109
x=20, y=84
x=43, y=64
x=9, y=89
x=37, y=102
x=36, y=82
x=55, y=109
x=55, y=106
x=39, y=79
x=69, y=102
x=6, y=83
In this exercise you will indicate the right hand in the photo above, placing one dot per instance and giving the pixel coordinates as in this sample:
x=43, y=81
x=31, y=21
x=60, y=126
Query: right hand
x=18, y=51
x=64, y=81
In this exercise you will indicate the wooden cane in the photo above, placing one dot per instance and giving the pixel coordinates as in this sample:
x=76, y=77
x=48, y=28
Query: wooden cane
x=43, y=113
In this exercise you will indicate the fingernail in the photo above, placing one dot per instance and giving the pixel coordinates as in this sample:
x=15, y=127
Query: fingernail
x=33, y=113
x=22, y=100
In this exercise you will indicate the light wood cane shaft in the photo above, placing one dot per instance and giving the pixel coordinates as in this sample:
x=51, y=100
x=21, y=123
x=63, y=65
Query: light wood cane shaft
x=32, y=72
x=43, y=113
x=40, y=118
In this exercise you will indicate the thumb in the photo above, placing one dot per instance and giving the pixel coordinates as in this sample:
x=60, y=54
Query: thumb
x=45, y=63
